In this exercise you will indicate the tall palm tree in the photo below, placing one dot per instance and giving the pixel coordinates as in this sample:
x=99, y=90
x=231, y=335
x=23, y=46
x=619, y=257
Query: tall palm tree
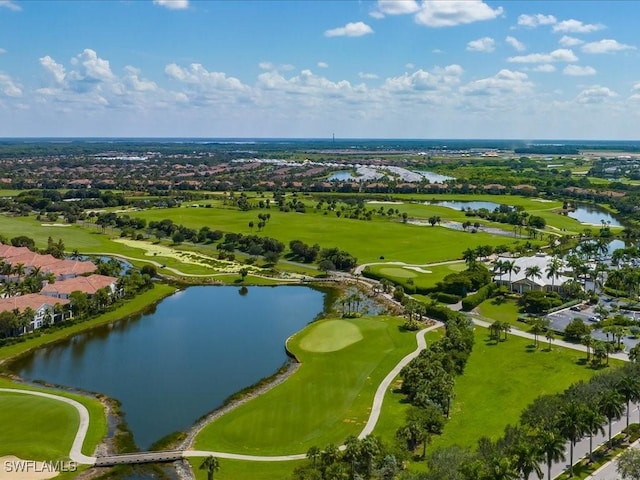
x=593, y=421
x=528, y=457
x=550, y=336
x=611, y=404
x=552, y=445
x=211, y=465
x=511, y=268
x=629, y=388
x=554, y=267
x=470, y=257
x=587, y=341
x=572, y=426
x=313, y=454
x=533, y=272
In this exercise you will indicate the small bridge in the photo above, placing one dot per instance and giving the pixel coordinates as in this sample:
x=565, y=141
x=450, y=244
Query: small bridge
x=140, y=457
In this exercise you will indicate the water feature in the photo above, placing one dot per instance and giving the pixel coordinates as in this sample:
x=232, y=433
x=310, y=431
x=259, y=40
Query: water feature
x=592, y=215
x=340, y=176
x=464, y=205
x=181, y=361
x=434, y=177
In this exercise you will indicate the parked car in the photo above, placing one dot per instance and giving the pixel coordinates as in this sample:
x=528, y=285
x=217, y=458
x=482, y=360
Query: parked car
x=575, y=308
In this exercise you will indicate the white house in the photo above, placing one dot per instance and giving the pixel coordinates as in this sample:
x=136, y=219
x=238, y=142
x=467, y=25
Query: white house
x=518, y=279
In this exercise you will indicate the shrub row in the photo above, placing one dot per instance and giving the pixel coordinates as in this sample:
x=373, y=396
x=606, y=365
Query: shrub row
x=472, y=301
x=445, y=297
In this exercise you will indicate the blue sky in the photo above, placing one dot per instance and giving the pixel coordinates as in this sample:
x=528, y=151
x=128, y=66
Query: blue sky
x=304, y=68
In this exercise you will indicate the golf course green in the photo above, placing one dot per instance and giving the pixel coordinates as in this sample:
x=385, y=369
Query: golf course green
x=327, y=399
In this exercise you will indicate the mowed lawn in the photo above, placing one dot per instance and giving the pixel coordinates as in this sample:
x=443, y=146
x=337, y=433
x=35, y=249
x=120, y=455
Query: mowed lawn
x=502, y=310
x=327, y=399
x=366, y=240
x=500, y=381
x=419, y=278
x=38, y=428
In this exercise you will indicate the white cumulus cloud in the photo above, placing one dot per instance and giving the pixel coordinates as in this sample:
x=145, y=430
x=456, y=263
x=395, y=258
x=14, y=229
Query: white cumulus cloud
x=397, y=7
x=10, y=5
x=559, y=55
x=504, y=82
x=579, y=71
x=92, y=67
x=368, y=76
x=533, y=21
x=576, y=26
x=544, y=68
x=484, y=44
x=8, y=87
x=172, y=4
x=322, y=65
x=351, y=29
x=515, y=43
x=436, y=13
x=567, y=41
x=54, y=68
x=595, y=94
x=606, y=45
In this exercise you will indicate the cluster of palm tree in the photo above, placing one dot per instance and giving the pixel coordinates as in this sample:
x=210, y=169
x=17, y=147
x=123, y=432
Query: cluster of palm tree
x=365, y=458
x=351, y=305
x=497, y=328
x=553, y=270
x=31, y=282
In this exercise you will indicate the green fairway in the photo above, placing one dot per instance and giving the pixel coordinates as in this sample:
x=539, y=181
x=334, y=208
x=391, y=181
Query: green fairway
x=330, y=336
x=422, y=277
x=328, y=398
x=36, y=428
x=39, y=428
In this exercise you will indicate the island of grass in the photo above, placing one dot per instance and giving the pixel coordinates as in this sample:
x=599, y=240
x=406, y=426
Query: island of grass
x=327, y=399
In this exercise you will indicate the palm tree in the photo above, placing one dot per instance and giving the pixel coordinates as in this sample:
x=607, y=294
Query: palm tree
x=550, y=336
x=554, y=267
x=629, y=388
x=572, y=426
x=528, y=457
x=470, y=256
x=611, y=404
x=313, y=454
x=634, y=353
x=211, y=465
x=593, y=421
x=587, y=341
x=533, y=272
x=502, y=468
x=510, y=268
x=552, y=446
x=18, y=269
x=537, y=328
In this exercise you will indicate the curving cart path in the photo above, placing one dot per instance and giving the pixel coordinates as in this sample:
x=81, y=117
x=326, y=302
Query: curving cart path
x=376, y=408
x=76, y=448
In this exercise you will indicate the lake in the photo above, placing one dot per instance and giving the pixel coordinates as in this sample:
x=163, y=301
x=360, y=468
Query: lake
x=473, y=205
x=592, y=215
x=170, y=367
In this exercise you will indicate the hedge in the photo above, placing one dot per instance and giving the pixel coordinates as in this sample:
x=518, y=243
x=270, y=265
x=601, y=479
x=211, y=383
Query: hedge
x=472, y=301
x=445, y=297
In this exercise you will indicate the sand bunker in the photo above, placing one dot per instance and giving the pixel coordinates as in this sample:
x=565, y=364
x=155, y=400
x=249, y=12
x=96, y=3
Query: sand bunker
x=382, y=202
x=418, y=269
x=55, y=224
x=543, y=200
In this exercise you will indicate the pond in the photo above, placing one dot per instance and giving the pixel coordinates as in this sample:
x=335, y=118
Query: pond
x=434, y=177
x=341, y=176
x=591, y=215
x=473, y=205
x=170, y=367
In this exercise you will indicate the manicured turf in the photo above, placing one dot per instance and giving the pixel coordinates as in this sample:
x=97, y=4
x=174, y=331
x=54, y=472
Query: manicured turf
x=330, y=336
x=502, y=310
x=328, y=398
x=36, y=428
x=420, y=279
x=59, y=424
x=501, y=380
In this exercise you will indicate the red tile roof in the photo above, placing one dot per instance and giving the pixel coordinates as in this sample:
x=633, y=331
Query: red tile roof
x=32, y=300
x=88, y=285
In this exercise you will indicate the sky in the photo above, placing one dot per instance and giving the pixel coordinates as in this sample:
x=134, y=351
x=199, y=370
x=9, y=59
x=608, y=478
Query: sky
x=424, y=69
